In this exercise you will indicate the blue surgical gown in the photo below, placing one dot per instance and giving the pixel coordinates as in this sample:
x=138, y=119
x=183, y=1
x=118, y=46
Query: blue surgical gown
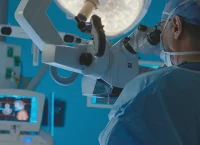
x=161, y=107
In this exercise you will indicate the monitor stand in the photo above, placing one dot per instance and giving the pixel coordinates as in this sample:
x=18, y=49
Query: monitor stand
x=15, y=137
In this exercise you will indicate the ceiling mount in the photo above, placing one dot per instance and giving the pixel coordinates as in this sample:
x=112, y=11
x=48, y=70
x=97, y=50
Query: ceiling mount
x=118, y=16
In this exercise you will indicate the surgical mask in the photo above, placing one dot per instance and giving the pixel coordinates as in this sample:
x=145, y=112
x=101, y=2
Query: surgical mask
x=166, y=56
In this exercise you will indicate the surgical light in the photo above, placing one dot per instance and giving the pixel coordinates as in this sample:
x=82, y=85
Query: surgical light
x=118, y=16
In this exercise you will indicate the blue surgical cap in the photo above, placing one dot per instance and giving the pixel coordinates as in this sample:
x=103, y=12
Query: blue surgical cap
x=189, y=10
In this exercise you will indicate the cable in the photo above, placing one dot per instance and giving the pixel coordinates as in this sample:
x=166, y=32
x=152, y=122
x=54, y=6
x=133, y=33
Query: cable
x=36, y=80
x=64, y=81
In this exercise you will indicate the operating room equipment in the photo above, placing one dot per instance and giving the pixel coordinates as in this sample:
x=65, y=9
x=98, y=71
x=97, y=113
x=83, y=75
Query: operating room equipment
x=10, y=65
x=18, y=32
x=11, y=69
x=21, y=125
x=3, y=14
x=118, y=16
x=115, y=65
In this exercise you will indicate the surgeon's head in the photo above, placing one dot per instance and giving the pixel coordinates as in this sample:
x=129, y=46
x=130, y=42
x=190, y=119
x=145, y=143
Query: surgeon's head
x=180, y=27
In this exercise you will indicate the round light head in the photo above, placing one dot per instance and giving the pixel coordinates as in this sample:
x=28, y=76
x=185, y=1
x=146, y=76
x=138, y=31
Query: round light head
x=118, y=16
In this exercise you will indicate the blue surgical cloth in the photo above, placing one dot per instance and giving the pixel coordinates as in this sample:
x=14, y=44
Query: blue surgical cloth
x=157, y=108
x=188, y=9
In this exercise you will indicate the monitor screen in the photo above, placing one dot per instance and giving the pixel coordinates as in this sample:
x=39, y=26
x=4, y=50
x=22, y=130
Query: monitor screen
x=18, y=108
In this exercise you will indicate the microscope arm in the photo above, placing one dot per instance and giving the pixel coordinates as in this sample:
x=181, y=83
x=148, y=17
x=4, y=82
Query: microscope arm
x=116, y=65
x=18, y=32
x=32, y=17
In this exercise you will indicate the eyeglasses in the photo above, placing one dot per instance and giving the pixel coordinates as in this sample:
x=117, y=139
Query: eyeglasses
x=160, y=25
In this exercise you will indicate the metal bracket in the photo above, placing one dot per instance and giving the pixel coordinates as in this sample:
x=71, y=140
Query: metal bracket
x=32, y=17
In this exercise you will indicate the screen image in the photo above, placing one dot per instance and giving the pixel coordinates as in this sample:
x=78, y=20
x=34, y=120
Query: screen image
x=18, y=108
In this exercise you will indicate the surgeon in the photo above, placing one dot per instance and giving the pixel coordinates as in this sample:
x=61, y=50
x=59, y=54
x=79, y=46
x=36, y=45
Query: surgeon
x=162, y=107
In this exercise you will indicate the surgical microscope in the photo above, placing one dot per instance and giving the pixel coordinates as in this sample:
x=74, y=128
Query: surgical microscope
x=98, y=61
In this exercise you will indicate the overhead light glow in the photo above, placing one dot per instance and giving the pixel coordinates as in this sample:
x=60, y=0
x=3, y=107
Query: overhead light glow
x=118, y=16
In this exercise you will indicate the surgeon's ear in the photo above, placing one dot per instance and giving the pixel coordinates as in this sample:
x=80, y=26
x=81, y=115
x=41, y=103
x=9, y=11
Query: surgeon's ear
x=177, y=27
